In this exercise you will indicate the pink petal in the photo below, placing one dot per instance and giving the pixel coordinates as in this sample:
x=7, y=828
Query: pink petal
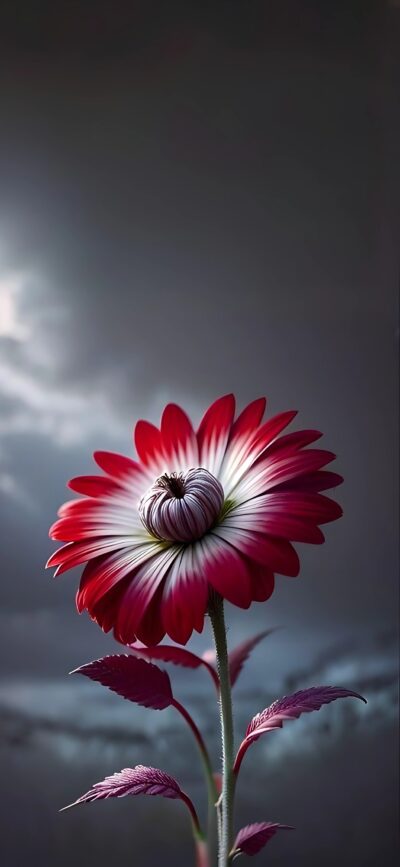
x=132, y=678
x=214, y=431
x=253, y=838
x=117, y=466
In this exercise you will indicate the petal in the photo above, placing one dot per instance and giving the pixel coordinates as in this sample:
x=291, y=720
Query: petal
x=148, y=444
x=185, y=596
x=240, y=442
x=151, y=629
x=268, y=474
x=225, y=569
x=321, y=480
x=236, y=464
x=178, y=439
x=249, y=419
x=97, y=512
x=262, y=582
x=99, y=577
x=99, y=486
x=293, y=442
x=277, y=554
x=213, y=433
x=105, y=611
x=75, y=553
x=140, y=592
x=130, y=474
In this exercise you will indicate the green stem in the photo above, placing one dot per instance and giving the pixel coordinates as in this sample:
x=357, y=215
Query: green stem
x=216, y=611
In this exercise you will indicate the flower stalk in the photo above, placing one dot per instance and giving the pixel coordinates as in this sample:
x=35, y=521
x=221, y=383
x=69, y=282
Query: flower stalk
x=226, y=801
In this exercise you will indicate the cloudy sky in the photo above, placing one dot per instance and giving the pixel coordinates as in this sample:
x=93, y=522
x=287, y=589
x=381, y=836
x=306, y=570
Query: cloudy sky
x=195, y=200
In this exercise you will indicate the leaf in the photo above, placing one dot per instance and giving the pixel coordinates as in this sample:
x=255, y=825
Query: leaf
x=177, y=656
x=253, y=838
x=134, y=679
x=132, y=781
x=290, y=707
x=239, y=655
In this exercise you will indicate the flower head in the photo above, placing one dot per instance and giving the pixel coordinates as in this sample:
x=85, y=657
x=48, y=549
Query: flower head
x=218, y=508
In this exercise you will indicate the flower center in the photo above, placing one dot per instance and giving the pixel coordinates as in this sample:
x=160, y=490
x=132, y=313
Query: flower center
x=181, y=507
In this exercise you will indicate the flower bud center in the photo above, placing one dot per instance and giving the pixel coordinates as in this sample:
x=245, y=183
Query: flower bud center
x=181, y=507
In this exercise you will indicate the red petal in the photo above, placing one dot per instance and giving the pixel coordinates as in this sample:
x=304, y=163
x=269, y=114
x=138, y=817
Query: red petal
x=97, y=486
x=249, y=419
x=319, y=481
x=99, y=577
x=278, y=555
x=117, y=466
x=185, y=597
x=178, y=438
x=293, y=442
x=75, y=553
x=214, y=431
x=148, y=443
x=226, y=570
x=139, y=594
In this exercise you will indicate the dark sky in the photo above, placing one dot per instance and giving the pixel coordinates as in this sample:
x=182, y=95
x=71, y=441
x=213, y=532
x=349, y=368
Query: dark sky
x=194, y=199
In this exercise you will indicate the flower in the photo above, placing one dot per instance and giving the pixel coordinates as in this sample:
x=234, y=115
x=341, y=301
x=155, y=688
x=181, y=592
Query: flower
x=214, y=509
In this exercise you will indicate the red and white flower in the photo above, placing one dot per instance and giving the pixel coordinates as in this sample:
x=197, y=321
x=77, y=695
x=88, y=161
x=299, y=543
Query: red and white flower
x=217, y=508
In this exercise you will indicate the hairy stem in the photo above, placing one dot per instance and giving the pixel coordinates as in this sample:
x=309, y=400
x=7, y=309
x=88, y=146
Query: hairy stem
x=216, y=611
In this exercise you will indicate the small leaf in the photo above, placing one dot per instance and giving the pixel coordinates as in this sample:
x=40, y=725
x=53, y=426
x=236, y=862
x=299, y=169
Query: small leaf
x=252, y=838
x=134, y=679
x=290, y=707
x=132, y=781
x=175, y=655
x=239, y=655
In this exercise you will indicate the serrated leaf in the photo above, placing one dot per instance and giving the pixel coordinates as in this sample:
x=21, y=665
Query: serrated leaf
x=132, y=781
x=239, y=655
x=290, y=707
x=175, y=655
x=253, y=838
x=134, y=679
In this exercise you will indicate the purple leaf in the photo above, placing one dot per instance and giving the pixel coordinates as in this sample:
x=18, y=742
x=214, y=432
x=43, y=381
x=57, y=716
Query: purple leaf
x=138, y=781
x=240, y=654
x=252, y=838
x=132, y=678
x=175, y=655
x=290, y=707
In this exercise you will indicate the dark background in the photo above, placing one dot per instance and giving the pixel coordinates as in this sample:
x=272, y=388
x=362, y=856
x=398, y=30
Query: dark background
x=195, y=199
